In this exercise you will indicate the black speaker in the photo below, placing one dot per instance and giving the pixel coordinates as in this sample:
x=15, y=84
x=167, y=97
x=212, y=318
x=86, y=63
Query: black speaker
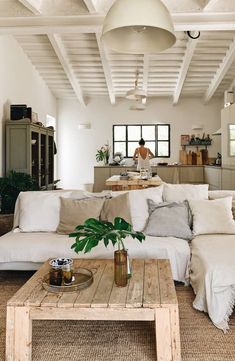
x=29, y=113
x=18, y=111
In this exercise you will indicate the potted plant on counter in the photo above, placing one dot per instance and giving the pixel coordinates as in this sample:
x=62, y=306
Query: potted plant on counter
x=88, y=236
x=103, y=154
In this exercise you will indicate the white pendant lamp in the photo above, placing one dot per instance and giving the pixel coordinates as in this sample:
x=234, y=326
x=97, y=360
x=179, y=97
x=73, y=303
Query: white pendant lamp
x=136, y=93
x=138, y=105
x=138, y=27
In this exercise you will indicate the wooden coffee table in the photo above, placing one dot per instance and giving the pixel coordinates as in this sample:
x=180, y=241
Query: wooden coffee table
x=149, y=296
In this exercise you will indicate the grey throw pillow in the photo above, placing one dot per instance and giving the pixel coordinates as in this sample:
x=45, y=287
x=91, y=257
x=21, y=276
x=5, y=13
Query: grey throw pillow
x=169, y=220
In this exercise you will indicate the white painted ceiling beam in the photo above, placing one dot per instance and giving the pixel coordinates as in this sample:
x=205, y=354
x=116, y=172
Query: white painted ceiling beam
x=59, y=49
x=146, y=72
x=224, y=67
x=91, y=6
x=32, y=5
x=210, y=4
x=92, y=23
x=192, y=43
x=106, y=68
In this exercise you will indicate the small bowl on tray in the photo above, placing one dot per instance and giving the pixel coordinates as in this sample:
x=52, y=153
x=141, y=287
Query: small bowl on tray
x=60, y=262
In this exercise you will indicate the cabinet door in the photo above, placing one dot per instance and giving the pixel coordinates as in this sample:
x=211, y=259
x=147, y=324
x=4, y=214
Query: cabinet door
x=212, y=176
x=191, y=175
x=100, y=176
x=168, y=174
x=17, y=148
x=35, y=150
x=50, y=160
x=227, y=179
x=43, y=159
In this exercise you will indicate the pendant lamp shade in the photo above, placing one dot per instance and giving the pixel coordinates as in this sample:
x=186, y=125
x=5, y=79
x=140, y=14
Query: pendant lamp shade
x=136, y=94
x=138, y=27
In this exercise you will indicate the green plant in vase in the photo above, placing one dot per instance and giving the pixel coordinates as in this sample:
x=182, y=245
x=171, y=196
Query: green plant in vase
x=93, y=231
x=103, y=154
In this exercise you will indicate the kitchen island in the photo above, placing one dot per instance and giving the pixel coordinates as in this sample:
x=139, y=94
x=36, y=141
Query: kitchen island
x=169, y=174
x=116, y=183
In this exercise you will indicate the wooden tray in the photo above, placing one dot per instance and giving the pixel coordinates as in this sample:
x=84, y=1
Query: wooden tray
x=82, y=278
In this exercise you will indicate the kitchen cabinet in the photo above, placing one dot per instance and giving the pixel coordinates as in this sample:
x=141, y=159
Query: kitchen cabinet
x=228, y=179
x=30, y=149
x=192, y=174
x=212, y=176
x=102, y=173
x=168, y=174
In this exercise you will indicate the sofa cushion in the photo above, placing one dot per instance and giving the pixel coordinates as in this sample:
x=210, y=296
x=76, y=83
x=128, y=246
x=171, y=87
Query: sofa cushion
x=181, y=192
x=74, y=212
x=39, y=211
x=223, y=194
x=116, y=207
x=169, y=220
x=212, y=216
x=138, y=204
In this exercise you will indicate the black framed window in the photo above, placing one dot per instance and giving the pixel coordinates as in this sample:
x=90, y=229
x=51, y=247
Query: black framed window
x=157, y=139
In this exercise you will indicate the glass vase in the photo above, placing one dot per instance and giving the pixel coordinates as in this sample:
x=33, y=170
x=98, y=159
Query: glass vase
x=120, y=268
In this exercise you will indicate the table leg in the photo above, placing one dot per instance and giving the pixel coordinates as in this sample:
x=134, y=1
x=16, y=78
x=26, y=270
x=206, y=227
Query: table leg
x=10, y=334
x=175, y=333
x=167, y=334
x=23, y=334
x=163, y=334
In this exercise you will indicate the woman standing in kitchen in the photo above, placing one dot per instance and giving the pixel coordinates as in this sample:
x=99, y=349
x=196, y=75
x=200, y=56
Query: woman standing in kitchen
x=143, y=155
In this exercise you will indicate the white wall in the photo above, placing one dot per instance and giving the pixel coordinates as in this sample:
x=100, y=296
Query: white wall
x=77, y=148
x=20, y=83
x=227, y=117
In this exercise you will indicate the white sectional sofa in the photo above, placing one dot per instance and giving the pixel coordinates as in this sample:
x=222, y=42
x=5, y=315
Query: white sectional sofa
x=212, y=274
x=34, y=239
x=212, y=270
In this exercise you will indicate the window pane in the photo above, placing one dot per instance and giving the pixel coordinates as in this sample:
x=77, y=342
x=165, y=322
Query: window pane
x=148, y=132
x=120, y=147
x=131, y=148
x=232, y=131
x=232, y=148
x=134, y=132
x=163, y=132
x=120, y=133
x=163, y=149
x=151, y=146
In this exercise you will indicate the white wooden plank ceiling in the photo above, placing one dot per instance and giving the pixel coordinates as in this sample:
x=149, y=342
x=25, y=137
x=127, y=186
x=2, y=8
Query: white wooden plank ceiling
x=62, y=40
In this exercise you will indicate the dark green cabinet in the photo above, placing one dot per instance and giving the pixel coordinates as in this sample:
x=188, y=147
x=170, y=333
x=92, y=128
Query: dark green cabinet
x=30, y=149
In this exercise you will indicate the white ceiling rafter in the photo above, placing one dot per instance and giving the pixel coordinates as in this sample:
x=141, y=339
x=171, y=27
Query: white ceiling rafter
x=106, y=68
x=224, y=67
x=32, y=5
x=191, y=45
x=59, y=49
x=92, y=23
x=146, y=72
x=210, y=4
x=91, y=6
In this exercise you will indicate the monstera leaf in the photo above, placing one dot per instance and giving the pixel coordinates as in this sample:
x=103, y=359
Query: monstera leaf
x=89, y=234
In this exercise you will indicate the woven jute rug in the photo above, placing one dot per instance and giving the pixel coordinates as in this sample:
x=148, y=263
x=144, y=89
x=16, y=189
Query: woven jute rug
x=123, y=341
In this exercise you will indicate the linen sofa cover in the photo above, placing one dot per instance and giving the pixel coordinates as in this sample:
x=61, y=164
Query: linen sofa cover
x=22, y=251
x=212, y=276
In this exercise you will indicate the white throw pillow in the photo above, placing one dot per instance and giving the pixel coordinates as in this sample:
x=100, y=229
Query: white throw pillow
x=212, y=216
x=40, y=211
x=139, y=206
x=182, y=192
